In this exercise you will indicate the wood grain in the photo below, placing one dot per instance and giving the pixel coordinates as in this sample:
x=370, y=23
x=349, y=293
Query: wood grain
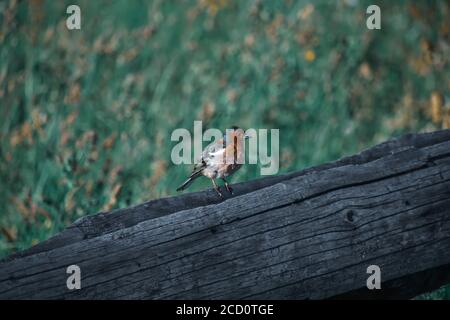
x=305, y=235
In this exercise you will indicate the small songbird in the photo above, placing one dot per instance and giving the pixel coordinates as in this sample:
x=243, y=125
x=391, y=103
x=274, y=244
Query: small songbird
x=219, y=160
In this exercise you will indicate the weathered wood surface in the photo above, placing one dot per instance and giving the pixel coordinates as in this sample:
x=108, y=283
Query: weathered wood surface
x=310, y=234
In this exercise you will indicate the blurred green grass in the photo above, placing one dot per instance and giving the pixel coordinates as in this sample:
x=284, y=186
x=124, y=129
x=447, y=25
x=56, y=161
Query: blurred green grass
x=86, y=116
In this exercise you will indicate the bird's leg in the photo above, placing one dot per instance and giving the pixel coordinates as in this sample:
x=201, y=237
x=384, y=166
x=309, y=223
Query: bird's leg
x=216, y=187
x=229, y=189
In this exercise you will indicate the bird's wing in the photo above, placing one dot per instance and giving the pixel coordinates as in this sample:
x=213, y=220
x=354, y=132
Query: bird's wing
x=199, y=166
x=213, y=147
x=212, y=151
x=210, y=155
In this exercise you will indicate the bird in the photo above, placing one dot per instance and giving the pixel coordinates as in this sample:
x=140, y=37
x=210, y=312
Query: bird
x=219, y=160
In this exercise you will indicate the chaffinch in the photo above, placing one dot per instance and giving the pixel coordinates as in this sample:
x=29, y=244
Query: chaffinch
x=220, y=159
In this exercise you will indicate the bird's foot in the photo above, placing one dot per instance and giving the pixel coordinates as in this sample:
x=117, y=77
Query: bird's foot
x=229, y=189
x=219, y=192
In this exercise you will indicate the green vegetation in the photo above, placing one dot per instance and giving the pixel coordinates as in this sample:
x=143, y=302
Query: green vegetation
x=86, y=116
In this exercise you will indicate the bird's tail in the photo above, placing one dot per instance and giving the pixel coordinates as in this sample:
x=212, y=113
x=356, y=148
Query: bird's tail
x=191, y=178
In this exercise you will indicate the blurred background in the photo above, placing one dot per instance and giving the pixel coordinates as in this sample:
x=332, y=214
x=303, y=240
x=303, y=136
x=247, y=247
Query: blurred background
x=86, y=115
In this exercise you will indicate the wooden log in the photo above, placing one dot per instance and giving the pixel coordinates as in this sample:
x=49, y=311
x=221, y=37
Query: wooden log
x=305, y=235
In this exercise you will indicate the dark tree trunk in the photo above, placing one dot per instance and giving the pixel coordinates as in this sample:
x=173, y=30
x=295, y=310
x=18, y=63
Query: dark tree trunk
x=305, y=235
